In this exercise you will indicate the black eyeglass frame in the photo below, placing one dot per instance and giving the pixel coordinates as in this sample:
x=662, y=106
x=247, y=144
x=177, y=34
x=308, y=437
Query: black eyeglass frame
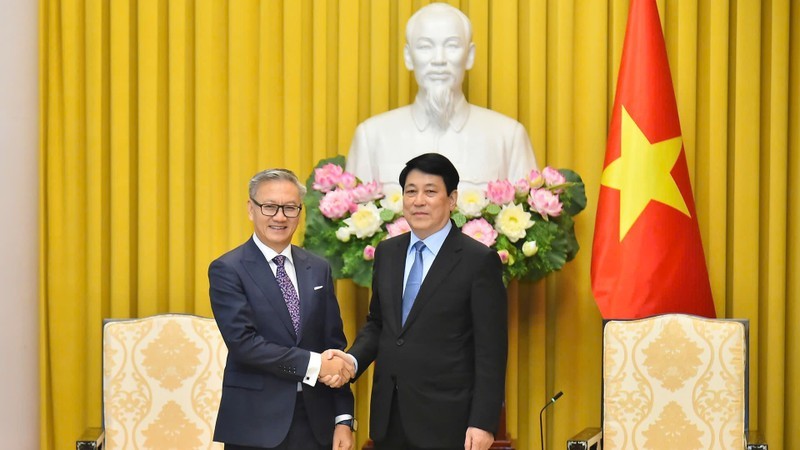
x=277, y=208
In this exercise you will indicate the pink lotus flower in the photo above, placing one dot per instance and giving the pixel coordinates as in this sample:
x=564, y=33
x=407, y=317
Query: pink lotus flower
x=327, y=177
x=504, y=256
x=553, y=177
x=500, y=192
x=481, y=231
x=335, y=204
x=545, y=203
x=366, y=192
x=522, y=187
x=347, y=181
x=369, y=253
x=398, y=227
x=535, y=179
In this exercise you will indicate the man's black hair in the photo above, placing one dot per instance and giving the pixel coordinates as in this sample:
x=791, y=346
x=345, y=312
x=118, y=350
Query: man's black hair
x=432, y=164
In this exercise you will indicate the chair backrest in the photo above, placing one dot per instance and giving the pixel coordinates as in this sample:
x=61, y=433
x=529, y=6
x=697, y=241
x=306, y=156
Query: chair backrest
x=162, y=382
x=674, y=381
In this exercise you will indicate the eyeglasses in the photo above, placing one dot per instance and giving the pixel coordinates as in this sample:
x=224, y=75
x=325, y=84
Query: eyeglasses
x=270, y=210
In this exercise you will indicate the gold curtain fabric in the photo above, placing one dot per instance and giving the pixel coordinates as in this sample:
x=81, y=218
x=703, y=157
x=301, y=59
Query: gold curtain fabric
x=155, y=113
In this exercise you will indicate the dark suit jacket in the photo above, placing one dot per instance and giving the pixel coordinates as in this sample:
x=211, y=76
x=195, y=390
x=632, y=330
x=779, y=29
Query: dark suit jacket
x=448, y=363
x=266, y=358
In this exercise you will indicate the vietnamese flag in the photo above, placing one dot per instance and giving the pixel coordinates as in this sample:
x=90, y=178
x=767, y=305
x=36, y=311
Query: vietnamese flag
x=647, y=256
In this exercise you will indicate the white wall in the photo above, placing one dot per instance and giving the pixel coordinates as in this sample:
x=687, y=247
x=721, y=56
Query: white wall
x=19, y=337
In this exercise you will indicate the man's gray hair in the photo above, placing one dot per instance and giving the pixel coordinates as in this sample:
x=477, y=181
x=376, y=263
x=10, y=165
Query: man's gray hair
x=275, y=175
x=438, y=7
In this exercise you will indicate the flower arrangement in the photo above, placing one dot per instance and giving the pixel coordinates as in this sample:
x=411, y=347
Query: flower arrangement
x=529, y=222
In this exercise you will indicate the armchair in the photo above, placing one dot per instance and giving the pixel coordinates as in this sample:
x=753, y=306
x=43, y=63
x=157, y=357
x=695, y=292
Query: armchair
x=673, y=381
x=162, y=382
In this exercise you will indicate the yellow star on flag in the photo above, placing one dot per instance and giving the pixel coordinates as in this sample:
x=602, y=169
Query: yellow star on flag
x=642, y=173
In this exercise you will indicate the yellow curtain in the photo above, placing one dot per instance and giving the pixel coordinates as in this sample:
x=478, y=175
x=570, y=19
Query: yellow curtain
x=155, y=113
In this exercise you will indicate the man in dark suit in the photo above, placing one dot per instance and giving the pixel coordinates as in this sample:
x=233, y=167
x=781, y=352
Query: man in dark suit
x=440, y=355
x=275, y=306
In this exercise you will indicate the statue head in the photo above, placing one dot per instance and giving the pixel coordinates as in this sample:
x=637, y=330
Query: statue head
x=439, y=49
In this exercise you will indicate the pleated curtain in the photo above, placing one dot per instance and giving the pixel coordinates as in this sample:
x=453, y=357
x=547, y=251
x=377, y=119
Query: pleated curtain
x=155, y=114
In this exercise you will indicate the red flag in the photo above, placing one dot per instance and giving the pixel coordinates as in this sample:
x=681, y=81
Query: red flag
x=647, y=256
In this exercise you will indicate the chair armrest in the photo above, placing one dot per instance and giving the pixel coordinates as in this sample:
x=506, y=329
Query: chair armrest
x=755, y=441
x=586, y=439
x=91, y=439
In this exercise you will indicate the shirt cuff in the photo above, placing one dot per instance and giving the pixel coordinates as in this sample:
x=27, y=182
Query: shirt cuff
x=314, y=366
x=355, y=361
x=342, y=417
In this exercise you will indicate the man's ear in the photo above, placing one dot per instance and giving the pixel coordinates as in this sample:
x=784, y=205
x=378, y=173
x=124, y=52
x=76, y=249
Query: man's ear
x=251, y=210
x=453, y=199
x=471, y=55
x=407, y=58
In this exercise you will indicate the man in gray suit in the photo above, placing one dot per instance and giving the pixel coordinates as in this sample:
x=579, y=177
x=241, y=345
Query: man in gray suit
x=275, y=306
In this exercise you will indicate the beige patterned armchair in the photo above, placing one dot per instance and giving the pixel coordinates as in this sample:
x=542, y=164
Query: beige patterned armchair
x=162, y=381
x=673, y=381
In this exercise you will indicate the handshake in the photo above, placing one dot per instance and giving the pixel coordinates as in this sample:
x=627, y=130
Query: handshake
x=337, y=368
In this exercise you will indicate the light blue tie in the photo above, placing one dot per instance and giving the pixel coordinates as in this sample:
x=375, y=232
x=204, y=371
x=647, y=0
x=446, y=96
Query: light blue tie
x=414, y=280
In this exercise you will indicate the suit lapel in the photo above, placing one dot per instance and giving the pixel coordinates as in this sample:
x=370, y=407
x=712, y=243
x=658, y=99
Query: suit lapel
x=259, y=270
x=448, y=257
x=395, y=267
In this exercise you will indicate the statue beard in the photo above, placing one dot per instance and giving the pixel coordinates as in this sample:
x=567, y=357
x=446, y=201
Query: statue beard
x=440, y=105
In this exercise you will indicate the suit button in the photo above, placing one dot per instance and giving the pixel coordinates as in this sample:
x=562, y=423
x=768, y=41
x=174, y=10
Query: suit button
x=400, y=342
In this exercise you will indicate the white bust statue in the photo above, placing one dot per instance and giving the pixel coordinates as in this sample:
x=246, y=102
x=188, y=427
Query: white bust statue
x=484, y=145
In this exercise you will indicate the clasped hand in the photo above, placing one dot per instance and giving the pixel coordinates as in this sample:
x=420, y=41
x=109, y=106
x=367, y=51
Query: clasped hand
x=337, y=368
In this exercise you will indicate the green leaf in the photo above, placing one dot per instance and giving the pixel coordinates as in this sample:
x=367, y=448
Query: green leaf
x=574, y=197
x=492, y=209
x=387, y=215
x=459, y=218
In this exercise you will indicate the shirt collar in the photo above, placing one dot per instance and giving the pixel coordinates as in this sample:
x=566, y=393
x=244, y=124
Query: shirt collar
x=457, y=122
x=269, y=253
x=433, y=242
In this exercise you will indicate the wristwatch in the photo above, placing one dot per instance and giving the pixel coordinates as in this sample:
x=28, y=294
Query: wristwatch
x=352, y=423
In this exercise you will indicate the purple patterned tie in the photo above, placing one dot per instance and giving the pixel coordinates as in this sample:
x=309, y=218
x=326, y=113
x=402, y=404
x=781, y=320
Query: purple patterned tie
x=289, y=294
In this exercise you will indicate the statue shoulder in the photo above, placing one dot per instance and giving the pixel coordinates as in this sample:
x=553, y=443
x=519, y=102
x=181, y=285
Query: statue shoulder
x=391, y=117
x=487, y=115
